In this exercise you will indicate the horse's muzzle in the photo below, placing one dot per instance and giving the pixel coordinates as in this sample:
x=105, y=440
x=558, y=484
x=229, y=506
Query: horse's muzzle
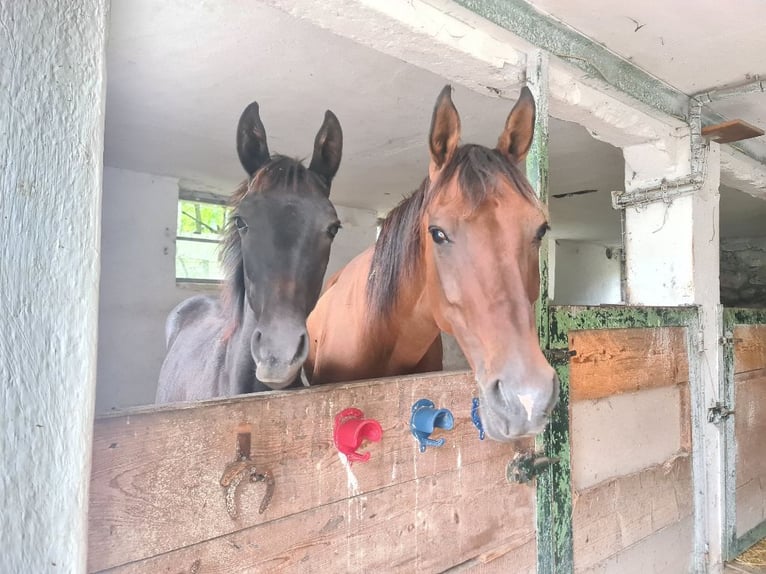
x=279, y=352
x=508, y=415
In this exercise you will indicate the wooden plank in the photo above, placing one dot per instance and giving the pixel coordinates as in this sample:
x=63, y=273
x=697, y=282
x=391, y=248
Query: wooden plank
x=620, y=435
x=749, y=348
x=731, y=131
x=518, y=559
x=614, y=361
x=424, y=525
x=750, y=430
x=666, y=551
x=156, y=472
x=612, y=516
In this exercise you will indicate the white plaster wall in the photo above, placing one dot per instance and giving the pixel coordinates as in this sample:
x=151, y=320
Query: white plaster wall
x=138, y=287
x=584, y=275
x=52, y=73
x=359, y=232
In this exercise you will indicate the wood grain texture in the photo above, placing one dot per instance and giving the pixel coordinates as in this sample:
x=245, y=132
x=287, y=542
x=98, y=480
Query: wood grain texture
x=155, y=477
x=624, y=434
x=750, y=430
x=614, y=361
x=749, y=348
x=614, y=515
x=424, y=525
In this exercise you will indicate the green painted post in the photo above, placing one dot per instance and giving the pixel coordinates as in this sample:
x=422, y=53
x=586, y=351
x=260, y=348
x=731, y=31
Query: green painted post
x=554, y=502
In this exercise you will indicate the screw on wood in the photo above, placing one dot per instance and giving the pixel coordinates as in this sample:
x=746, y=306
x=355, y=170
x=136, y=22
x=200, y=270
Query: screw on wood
x=235, y=472
x=194, y=568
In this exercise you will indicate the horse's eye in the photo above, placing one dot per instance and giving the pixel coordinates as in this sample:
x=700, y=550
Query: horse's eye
x=240, y=223
x=438, y=235
x=332, y=231
x=541, y=232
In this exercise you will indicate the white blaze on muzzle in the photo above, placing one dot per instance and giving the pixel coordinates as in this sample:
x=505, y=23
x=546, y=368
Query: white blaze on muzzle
x=527, y=401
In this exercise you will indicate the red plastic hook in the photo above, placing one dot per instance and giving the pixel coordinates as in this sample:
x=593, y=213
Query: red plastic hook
x=351, y=429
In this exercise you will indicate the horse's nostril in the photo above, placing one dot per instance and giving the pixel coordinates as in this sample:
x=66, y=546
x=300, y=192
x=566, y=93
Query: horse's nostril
x=257, y=335
x=300, y=354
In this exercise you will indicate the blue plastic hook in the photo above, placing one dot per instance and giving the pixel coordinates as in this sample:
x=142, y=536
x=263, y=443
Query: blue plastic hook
x=475, y=417
x=425, y=418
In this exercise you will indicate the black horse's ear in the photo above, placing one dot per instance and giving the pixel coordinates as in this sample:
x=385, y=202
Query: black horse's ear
x=328, y=148
x=445, y=131
x=516, y=138
x=251, y=140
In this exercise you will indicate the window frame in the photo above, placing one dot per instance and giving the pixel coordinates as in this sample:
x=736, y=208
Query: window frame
x=199, y=196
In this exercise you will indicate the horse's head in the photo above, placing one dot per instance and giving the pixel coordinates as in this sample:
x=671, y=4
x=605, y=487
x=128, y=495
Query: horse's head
x=278, y=245
x=482, y=227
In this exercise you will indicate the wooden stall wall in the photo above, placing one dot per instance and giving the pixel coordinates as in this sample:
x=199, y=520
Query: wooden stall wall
x=750, y=426
x=630, y=451
x=157, y=504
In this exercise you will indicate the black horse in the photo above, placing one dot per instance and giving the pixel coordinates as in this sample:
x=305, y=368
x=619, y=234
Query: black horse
x=275, y=254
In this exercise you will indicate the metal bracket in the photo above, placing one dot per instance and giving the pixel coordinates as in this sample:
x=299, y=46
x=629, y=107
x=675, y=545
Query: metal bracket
x=524, y=467
x=727, y=340
x=559, y=356
x=666, y=191
x=718, y=413
x=700, y=341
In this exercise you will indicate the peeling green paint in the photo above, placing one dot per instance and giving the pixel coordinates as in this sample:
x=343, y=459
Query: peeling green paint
x=554, y=524
x=554, y=490
x=566, y=319
x=739, y=316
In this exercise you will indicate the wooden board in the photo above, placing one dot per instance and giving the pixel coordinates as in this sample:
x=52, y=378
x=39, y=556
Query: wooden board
x=666, y=551
x=155, y=477
x=424, y=525
x=620, y=435
x=630, y=500
x=750, y=430
x=749, y=348
x=613, y=361
x=731, y=131
x=612, y=516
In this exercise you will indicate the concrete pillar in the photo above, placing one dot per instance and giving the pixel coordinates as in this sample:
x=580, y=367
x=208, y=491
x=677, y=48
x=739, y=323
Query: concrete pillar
x=672, y=258
x=52, y=78
x=658, y=234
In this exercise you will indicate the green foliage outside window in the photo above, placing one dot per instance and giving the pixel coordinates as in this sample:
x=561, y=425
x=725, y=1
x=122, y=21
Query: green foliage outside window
x=199, y=233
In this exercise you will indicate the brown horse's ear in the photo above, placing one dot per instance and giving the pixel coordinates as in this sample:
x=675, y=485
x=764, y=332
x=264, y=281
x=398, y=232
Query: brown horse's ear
x=516, y=138
x=328, y=148
x=445, y=131
x=251, y=140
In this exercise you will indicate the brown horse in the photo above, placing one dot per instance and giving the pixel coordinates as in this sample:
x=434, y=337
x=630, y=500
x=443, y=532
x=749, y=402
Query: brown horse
x=460, y=255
